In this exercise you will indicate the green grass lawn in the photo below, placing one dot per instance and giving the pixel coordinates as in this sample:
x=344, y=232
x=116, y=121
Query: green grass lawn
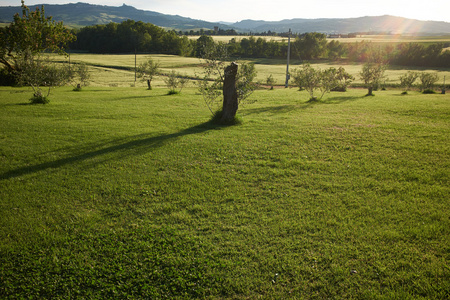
x=124, y=192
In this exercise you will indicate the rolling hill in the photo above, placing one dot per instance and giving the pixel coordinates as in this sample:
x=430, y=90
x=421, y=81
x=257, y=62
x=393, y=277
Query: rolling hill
x=391, y=24
x=84, y=14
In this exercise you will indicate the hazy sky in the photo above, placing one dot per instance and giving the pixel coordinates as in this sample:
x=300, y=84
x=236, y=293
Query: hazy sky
x=272, y=10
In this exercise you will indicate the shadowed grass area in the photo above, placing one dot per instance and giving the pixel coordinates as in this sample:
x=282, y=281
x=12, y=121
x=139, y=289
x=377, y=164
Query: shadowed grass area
x=122, y=192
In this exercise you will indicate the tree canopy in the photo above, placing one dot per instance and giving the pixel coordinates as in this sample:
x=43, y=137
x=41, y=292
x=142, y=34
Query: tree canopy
x=31, y=33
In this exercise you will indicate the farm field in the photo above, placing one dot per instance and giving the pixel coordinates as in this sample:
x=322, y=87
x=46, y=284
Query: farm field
x=119, y=69
x=121, y=192
x=368, y=38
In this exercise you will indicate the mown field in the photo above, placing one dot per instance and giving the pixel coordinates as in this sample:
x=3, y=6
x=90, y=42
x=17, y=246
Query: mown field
x=121, y=192
x=118, y=70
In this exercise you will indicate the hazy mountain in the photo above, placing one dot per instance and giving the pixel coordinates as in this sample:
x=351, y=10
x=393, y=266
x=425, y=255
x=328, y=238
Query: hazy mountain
x=83, y=14
x=363, y=24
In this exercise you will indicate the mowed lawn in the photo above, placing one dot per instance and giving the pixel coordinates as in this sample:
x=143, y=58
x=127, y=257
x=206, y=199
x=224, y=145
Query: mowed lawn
x=120, y=192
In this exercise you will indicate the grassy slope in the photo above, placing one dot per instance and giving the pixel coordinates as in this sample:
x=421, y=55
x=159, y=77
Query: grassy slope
x=119, y=191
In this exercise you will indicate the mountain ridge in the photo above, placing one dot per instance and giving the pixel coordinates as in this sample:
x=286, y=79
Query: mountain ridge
x=82, y=14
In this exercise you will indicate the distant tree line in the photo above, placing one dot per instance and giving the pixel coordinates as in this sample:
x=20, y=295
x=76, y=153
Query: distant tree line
x=404, y=54
x=130, y=36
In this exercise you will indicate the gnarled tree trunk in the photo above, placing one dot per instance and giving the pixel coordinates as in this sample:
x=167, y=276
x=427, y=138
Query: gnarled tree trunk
x=230, y=99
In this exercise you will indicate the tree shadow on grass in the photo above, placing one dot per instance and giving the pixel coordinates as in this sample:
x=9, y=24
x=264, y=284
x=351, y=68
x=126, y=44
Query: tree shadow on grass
x=138, y=144
x=270, y=109
x=308, y=104
x=341, y=99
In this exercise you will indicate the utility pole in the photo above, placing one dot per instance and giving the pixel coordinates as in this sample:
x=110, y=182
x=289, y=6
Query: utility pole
x=288, y=76
x=135, y=66
x=443, y=87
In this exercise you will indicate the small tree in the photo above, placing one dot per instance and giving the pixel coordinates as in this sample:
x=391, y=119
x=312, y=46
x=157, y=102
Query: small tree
x=147, y=71
x=427, y=80
x=244, y=81
x=307, y=78
x=40, y=73
x=343, y=80
x=174, y=82
x=407, y=80
x=326, y=81
x=79, y=76
x=214, y=57
x=371, y=75
x=270, y=81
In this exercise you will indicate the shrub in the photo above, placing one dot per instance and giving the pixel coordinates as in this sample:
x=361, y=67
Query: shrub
x=270, y=81
x=175, y=81
x=326, y=81
x=407, y=80
x=372, y=74
x=79, y=76
x=38, y=98
x=427, y=80
x=428, y=91
x=7, y=78
x=40, y=73
x=147, y=70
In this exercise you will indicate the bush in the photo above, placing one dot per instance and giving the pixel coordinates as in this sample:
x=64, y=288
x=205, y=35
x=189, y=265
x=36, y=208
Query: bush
x=173, y=92
x=175, y=83
x=7, y=78
x=38, y=98
x=427, y=80
x=428, y=91
x=339, y=88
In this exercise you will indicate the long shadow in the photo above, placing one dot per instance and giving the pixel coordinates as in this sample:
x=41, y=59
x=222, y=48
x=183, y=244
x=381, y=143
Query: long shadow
x=138, y=144
x=270, y=109
x=341, y=99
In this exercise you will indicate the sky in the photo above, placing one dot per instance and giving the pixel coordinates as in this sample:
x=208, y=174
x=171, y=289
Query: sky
x=272, y=10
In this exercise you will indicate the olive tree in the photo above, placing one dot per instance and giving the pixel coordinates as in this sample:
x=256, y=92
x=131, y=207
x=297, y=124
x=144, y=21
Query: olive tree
x=147, y=71
x=40, y=73
x=325, y=81
x=175, y=82
x=270, y=81
x=79, y=76
x=427, y=80
x=307, y=78
x=407, y=80
x=372, y=75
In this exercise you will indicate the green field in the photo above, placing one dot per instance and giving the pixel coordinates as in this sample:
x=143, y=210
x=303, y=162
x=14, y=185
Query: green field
x=121, y=192
x=396, y=39
x=118, y=70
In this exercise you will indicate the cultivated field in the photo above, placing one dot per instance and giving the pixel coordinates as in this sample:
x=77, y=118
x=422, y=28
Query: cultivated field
x=120, y=192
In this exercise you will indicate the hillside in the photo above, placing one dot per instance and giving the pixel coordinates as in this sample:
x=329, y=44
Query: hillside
x=83, y=14
x=394, y=25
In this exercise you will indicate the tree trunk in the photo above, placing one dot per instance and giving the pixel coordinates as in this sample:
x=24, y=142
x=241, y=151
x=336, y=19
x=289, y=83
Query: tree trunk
x=149, y=84
x=370, y=92
x=230, y=100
